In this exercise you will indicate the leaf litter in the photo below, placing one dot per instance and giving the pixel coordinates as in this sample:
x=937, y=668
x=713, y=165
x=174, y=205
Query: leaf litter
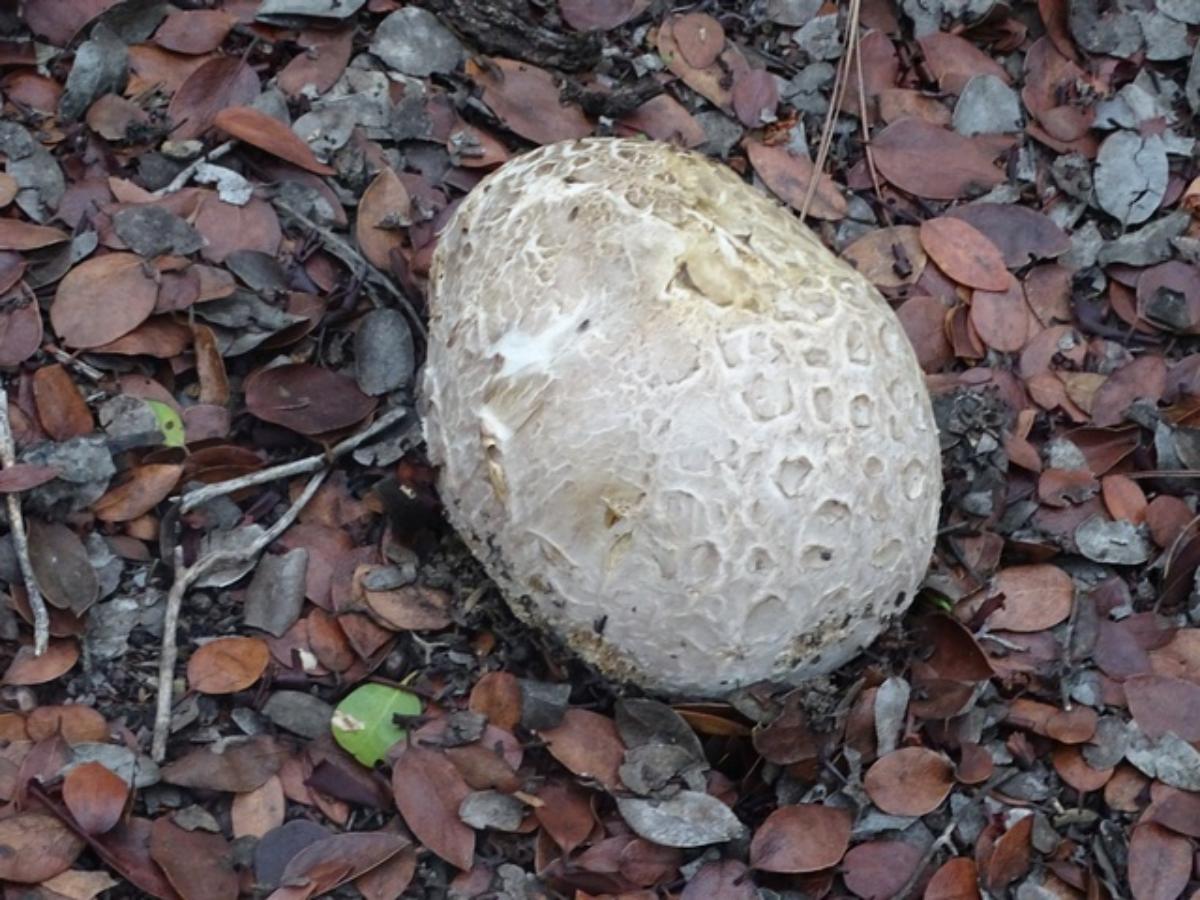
x=214, y=229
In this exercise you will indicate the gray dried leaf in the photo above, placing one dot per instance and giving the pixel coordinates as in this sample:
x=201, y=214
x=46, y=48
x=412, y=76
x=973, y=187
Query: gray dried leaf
x=152, y=231
x=651, y=768
x=299, y=713
x=412, y=41
x=543, y=703
x=133, y=21
x=1192, y=88
x=492, y=809
x=384, y=356
x=84, y=468
x=987, y=106
x=259, y=271
x=1108, y=745
x=284, y=11
x=101, y=66
x=1119, y=543
x=251, y=320
x=109, y=626
x=641, y=721
x=1148, y=245
x=820, y=38
x=689, y=819
x=1170, y=759
x=124, y=417
x=1131, y=176
x=1115, y=33
x=233, y=540
x=327, y=128
x=136, y=769
x=34, y=170
x=61, y=565
x=1186, y=11
x=275, y=595
x=1165, y=40
x=106, y=565
x=792, y=13
x=891, y=707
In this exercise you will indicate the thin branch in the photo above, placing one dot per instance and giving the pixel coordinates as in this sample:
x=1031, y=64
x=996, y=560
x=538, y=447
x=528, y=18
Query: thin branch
x=180, y=181
x=290, y=469
x=866, y=136
x=16, y=527
x=184, y=579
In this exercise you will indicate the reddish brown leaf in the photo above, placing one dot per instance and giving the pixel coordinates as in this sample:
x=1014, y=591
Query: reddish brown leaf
x=410, y=608
x=61, y=408
x=238, y=768
x=194, y=30
x=306, y=398
x=526, y=99
x=806, y=837
x=339, y=858
x=1023, y=235
x=957, y=879
x=258, y=811
x=228, y=228
x=269, y=135
x=954, y=61
x=1143, y=378
x=17, y=235
x=965, y=254
x=428, y=791
x=144, y=489
x=566, y=813
x=1002, y=319
x=159, y=336
x=933, y=162
x=199, y=864
x=1010, y=856
x=588, y=744
x=1167, y=517
x=956, y=654
x=326, y=53
x=75, y=723
x=700, y=38
x=599, y=15
x=95, y=796
x=911, y=781
x=387, y=880
x=1175, y=809
x=1124, y=498
x=889, y=257
x=497, y=695
x=1034, y=598
x=1161, y=704
x=214, y=85
x=877, y=870
x=924, y=321
x=102, y=299
x=35, y=846
x=725, y=879
x=126, y=850
x=383, y=205
x=755, y=97
x=227, y=665
x=20, y=331
x=1160, y=863
x=713, y=82
x=25, y=669
x=1074, y=726
x=1074, y=770
x=788, y=177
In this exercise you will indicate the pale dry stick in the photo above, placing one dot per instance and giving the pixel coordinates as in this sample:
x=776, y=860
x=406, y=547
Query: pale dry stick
x=866, y=135
x=835, y=102
x=185, y=175
x=16, y=527
x=192, y=499
x=184, y=579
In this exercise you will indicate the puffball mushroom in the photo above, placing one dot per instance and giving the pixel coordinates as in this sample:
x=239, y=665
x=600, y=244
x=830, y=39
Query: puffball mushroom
x=675, y=428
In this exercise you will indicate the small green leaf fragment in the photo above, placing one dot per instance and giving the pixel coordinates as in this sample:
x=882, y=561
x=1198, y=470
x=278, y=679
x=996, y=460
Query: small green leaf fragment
x=169, y=423
x=364, y=722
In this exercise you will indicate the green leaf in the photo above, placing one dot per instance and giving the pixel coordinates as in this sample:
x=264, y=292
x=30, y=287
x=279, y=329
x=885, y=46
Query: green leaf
x=169, y=423
x=363, y=723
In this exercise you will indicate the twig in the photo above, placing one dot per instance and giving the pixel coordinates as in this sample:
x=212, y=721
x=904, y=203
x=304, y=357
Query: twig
x=16, y=527
x=180, y=181
x=184, y=579
x=194, y=498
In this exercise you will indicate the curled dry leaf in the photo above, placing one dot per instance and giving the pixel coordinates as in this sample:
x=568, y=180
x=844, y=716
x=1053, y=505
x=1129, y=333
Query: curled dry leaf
x=526, y=100
x=95, y=796
x=965, y=254
x=428, y=791
x=1074, y=769
x=102, y=299
x=1035, y=598
x=588, y=744
x=144, y=489
x=269, y=135
x=306, y=398
x=228, y=665
x=788, y=177
x=911, y=781
x=27, y=669
x=36, y=846
x=933, y=162
x=22, y=236
x=806, y=837
x=382, y=210
x=410, y=608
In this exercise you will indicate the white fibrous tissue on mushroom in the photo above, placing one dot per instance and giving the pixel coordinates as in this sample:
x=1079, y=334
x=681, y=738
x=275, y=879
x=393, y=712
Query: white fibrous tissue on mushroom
x=675, y=428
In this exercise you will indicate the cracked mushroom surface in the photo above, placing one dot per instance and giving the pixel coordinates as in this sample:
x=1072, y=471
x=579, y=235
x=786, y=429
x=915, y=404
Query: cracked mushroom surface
x=673, y=426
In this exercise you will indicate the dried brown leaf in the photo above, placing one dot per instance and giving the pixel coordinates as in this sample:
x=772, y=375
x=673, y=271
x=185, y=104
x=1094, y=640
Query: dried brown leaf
x=806, y=837
x=911, y=781
x=95, y=796
x=268, y=134
x=306, y=398
x=788, y=177
x=227, y=665
x=588, y=744
x=965, y=254
x=102, y=299
x=428, y=791
x=35, y=846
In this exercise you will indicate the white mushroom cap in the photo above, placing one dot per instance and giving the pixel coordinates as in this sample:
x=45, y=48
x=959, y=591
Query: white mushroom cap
x=674, y=427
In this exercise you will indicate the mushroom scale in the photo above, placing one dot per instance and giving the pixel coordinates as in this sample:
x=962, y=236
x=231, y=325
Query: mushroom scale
x=675, y=428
